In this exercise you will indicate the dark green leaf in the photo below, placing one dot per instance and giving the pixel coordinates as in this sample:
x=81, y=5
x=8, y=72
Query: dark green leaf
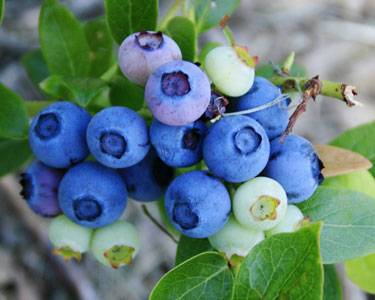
x=35, y=66
x=182, y=31
x=284, y=266
x=125, y=17
x=349, y=222
x=13, y=153
x=63, y=41
x=204, y=277
x=189, y=247
x=1, y=10
x=79, y=90
x=332, y=286
x=361, y=140
x=14, y=122
x=208, y=13
x=101, y=46
x=126, y=93
x=205, y=50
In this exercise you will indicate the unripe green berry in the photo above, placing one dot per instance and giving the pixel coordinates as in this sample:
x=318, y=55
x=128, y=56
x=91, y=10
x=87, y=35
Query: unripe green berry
x=70, y=240
x=260, y=203
x=291, y=222
x=115, y=245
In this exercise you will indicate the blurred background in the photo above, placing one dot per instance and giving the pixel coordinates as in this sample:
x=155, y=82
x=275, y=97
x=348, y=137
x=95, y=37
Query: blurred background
x=335, y=39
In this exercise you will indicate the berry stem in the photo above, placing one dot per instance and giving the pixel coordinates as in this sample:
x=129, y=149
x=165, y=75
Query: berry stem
x=170, y=14
x=33, y=107
x=147, y=213
x=226, y=29
x=343, y=92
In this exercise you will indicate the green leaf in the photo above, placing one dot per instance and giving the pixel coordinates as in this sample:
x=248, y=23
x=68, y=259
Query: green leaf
x=182, y=31
x=205, y=50
x=13, y=153
x=35, y=66
x=208, y=13
x=349, y=222
x=284, y=266
x=126, y=93
x=101, y=46
x=361, y=140
x=125, y=17
x=189, y=247
x=14, y=122
x=63, y=41
x=362, y=272
x=205, y=277
x=267, y=71
x=1, y=10
x=79, y=90
x=332, y=285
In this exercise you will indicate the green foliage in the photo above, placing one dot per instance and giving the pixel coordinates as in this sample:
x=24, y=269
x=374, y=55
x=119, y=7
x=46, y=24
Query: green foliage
x=349, y=222
x=284, y=266
x=205, y=277
x=182, y=31
x=126, y=93
x=1, y=10
x=79, y=90
x=361, y=140
x=14, y=122
x=362, y=272
x=332, y=286
x=267, y=71
x=208, y=13
x=35, y=66
x=189, y=247
x=13, y=153
x=101, y=46
x=125, y=17
x=63, y=41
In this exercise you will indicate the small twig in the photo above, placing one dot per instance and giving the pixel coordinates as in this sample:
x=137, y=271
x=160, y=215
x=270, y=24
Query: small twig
x=312, y=89
x=147, y=213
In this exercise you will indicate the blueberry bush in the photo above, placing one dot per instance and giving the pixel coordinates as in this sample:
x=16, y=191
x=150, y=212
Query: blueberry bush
x=205, y=130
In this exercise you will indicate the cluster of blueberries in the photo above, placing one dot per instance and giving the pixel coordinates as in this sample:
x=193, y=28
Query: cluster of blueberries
x=239, y=197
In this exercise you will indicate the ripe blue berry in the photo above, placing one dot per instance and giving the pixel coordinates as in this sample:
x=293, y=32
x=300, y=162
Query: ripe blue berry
x=178, y=93
x=115, y=245
x=143, y=52
x=235, y=238
x=57, y=134
x=178, y=146
x=70, y=240
x=296, y=166
x=260, y=203
x=230, y=74
x=147, y=180
x=236, y=148
x=40, y=184
x=197, y=204
x=92, y=195
x=118, y=137
x=274, y=119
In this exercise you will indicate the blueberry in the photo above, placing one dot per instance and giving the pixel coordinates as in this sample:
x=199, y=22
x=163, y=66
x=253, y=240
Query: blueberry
x=260, y=203
x=230, y=74
x=296, y=166
x=178, y=93
x=70, y=240
x=40, y=184
x=236, y=148
x=143, y=52
x=92, y=195
x=147, y=180
x=197, y=204
x=178, y=146
x=118, y=137
x=115, y=245
x=57, y=134
x=274, y=119
x=235, y=238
